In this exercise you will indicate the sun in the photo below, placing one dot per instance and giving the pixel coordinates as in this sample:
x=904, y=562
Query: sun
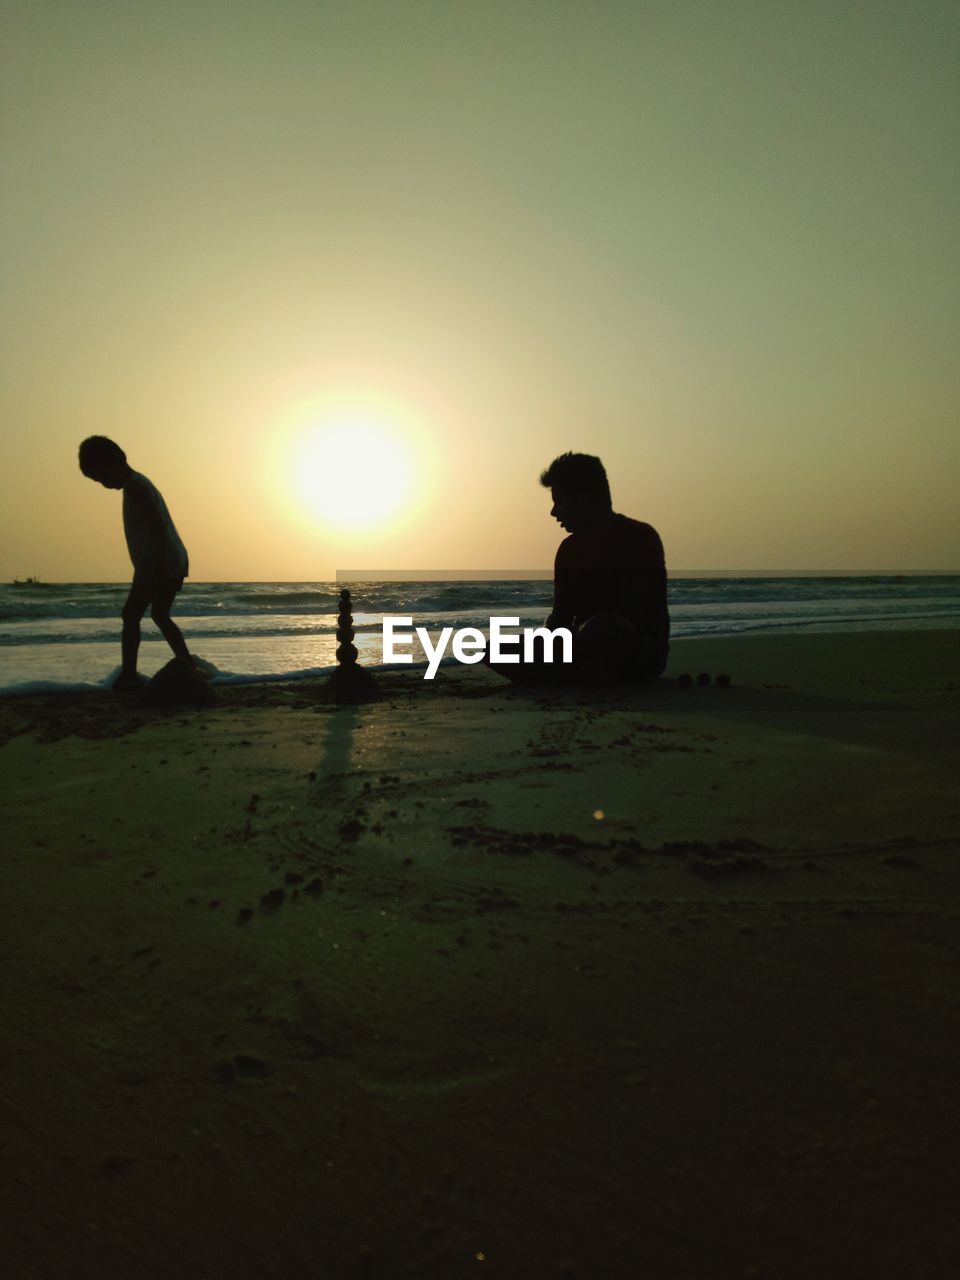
x=352, y=474
x=350, y=462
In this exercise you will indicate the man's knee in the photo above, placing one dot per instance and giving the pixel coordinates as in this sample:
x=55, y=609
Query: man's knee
x=160, y=615
x=606, y=636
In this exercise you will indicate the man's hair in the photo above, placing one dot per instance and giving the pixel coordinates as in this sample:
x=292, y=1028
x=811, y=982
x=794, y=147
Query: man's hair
x=98, y=453
x=578, y=473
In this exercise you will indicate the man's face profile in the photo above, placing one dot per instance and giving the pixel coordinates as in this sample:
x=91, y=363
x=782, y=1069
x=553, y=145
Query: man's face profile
x=566, y=509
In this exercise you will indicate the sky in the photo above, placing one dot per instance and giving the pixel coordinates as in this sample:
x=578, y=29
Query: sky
x=343, y=278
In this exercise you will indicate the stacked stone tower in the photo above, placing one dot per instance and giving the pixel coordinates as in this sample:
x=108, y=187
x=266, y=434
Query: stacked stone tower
x=351, y=682
x=346, y=649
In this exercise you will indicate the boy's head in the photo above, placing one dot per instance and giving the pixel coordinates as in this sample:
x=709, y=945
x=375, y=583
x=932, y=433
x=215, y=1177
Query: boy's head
x=103, y=461
x=580, y=491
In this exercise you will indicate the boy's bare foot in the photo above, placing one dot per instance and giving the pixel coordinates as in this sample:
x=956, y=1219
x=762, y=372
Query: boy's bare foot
x=126, y=683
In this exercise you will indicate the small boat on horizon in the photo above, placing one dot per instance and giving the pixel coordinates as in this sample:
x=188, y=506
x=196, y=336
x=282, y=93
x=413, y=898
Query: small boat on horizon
x=28, y=582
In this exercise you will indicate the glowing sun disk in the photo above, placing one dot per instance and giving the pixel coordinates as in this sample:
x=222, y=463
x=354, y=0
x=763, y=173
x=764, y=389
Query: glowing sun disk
x=353, y=474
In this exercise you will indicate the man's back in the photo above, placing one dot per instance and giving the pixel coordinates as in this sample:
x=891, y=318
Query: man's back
x=618, y=567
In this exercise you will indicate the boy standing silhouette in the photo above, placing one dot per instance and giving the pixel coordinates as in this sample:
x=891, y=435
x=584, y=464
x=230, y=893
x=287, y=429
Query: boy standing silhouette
x=159, y=557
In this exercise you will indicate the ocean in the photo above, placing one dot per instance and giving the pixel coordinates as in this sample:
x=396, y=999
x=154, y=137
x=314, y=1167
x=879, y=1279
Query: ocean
x=67, y=636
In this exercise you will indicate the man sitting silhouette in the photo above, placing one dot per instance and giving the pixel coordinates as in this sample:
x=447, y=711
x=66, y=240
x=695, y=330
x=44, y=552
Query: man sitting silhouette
x=610, y=579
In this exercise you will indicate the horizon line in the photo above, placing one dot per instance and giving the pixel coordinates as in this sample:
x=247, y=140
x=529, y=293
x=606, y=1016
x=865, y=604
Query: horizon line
x=489, y=575
x=505, y=575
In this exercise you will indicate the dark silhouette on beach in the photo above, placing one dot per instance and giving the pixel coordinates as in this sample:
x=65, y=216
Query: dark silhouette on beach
x=609, y=586
x=159, y=558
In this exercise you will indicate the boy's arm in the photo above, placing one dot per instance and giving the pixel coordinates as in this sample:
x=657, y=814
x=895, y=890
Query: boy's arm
x=141, y=496
x=148, y=528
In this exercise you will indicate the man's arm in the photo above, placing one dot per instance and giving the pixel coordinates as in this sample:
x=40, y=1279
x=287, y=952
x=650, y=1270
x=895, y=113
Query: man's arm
x=561, y=615
x=563, y=611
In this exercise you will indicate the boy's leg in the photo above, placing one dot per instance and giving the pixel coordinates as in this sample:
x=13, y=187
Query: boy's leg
x=160, y=605
x=133, y=609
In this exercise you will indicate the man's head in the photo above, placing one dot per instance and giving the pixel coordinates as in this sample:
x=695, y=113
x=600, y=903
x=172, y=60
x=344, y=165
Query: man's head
x=103, y=461
x=580, y=492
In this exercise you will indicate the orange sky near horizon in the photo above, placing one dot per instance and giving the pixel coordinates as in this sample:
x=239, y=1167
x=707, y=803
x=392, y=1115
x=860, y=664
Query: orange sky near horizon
x=343, y=278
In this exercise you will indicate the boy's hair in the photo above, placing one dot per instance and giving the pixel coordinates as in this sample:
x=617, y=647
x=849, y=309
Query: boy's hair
x=577, y=473
x=98, y=453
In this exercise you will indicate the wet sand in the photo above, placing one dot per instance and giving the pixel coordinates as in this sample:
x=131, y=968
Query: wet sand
x=469, y=981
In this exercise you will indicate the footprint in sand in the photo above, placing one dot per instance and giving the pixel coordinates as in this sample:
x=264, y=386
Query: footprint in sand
x=242, y=1066
x=420, y=1086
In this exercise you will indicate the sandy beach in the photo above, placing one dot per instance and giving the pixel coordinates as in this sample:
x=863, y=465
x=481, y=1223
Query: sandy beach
x=470, y=981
